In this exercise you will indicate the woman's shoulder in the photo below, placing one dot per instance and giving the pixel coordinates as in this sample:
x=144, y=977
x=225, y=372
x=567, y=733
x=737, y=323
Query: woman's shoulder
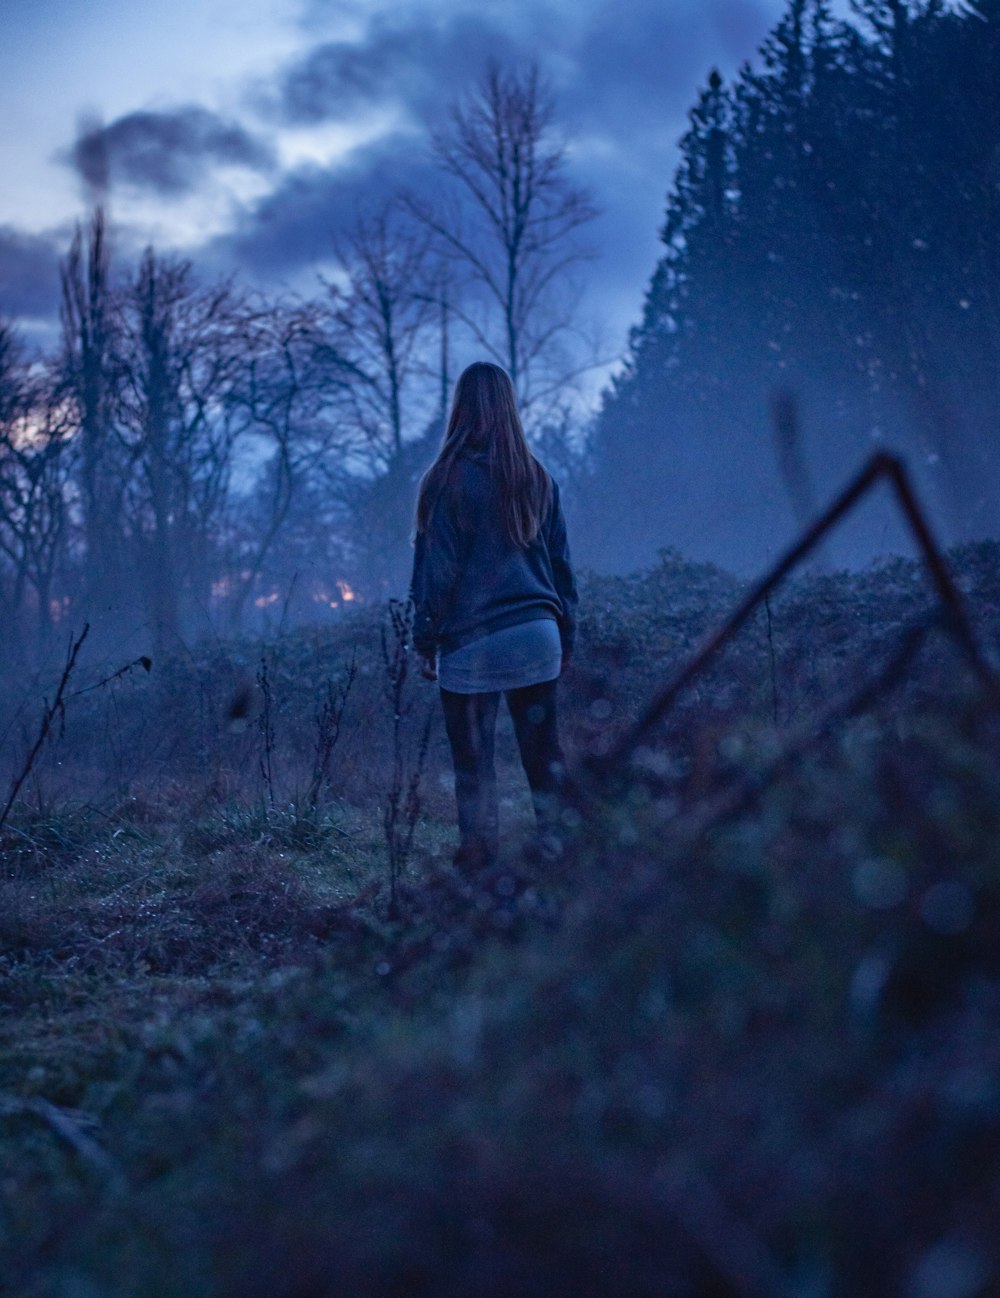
x=545, y=470
x=549, y=485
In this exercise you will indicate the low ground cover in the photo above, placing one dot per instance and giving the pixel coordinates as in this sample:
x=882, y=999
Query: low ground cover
x=741, y=1046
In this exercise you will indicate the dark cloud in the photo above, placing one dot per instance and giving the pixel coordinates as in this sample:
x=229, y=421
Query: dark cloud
x=167, y=152
x=417, y=62
x=296, y=225
x=622, y=65
x=29, y=274
x=636, y=72
x=337, y=79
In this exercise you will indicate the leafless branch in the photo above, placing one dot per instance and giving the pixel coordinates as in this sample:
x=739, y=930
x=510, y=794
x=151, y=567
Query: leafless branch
x=49, y=714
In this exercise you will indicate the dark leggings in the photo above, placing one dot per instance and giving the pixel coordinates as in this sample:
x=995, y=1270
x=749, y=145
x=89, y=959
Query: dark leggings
x=470, y=720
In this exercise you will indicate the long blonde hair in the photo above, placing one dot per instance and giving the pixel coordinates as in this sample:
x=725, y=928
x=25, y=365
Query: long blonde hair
x=484, y=418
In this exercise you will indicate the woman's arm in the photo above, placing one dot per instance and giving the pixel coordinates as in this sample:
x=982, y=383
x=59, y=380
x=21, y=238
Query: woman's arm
x=435, y=571
x=562, y=572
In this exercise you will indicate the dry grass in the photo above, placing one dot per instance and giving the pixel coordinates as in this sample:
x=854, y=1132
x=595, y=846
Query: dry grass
x=753, y=1056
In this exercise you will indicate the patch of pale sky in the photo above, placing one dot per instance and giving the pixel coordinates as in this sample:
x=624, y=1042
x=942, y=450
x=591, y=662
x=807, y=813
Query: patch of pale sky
x=184, y=223
x=330, y=142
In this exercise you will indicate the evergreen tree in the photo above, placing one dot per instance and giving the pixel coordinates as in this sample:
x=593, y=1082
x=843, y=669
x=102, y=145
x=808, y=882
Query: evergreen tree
x=831, y=233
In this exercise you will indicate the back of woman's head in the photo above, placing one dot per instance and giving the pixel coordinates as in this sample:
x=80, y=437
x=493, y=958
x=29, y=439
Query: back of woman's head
x=484, y=421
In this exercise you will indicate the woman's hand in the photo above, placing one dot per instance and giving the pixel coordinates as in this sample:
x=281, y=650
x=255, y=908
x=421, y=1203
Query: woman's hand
x=427, y=665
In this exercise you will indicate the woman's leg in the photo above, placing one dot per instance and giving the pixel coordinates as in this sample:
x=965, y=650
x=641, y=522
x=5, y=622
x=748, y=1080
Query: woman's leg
x=470, y=720
x=533, y=711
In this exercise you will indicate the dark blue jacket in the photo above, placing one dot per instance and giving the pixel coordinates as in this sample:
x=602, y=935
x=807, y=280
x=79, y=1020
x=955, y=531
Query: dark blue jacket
x=471, y=580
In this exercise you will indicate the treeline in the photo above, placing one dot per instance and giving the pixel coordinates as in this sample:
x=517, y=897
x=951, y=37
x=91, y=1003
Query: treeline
x=197, y=456
x=194, y=456
x=830, y=284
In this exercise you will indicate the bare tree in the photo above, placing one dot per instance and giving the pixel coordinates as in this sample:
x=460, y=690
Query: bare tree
x=90, y=367
x=296, y=391
x=509, y=227
x=381, y=308
x=387, y=326
x=183, y=350
x=35, y=454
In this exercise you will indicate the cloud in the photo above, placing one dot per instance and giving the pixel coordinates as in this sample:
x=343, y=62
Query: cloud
x=637, y=77
x=608, y=60
x=296, y=225
x=166, y=152
x=29, y=274
x=337, y=79
x=623, y=79
x=419, y=62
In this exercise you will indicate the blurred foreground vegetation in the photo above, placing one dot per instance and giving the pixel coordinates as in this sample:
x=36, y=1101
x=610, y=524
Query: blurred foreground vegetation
x=727, y=1046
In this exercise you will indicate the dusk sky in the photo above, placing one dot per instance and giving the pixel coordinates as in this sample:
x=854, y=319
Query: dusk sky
x=244, y=133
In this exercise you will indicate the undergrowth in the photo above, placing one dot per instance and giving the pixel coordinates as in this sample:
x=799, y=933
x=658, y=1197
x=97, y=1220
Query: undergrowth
x=748, y=1053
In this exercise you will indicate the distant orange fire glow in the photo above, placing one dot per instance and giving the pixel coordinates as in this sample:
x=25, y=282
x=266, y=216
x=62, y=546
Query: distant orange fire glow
x=225, y=587
x=345, y=595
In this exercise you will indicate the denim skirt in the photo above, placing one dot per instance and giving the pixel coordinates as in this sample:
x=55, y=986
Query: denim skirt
x=509, y=659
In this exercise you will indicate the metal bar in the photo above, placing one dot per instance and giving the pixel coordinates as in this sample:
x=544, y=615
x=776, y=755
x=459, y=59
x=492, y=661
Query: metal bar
x=735, y=800
x=940, y=574
x=879, y=466
x=662, y=703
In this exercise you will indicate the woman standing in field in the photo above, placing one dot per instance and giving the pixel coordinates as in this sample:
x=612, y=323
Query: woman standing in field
x=495, y=604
